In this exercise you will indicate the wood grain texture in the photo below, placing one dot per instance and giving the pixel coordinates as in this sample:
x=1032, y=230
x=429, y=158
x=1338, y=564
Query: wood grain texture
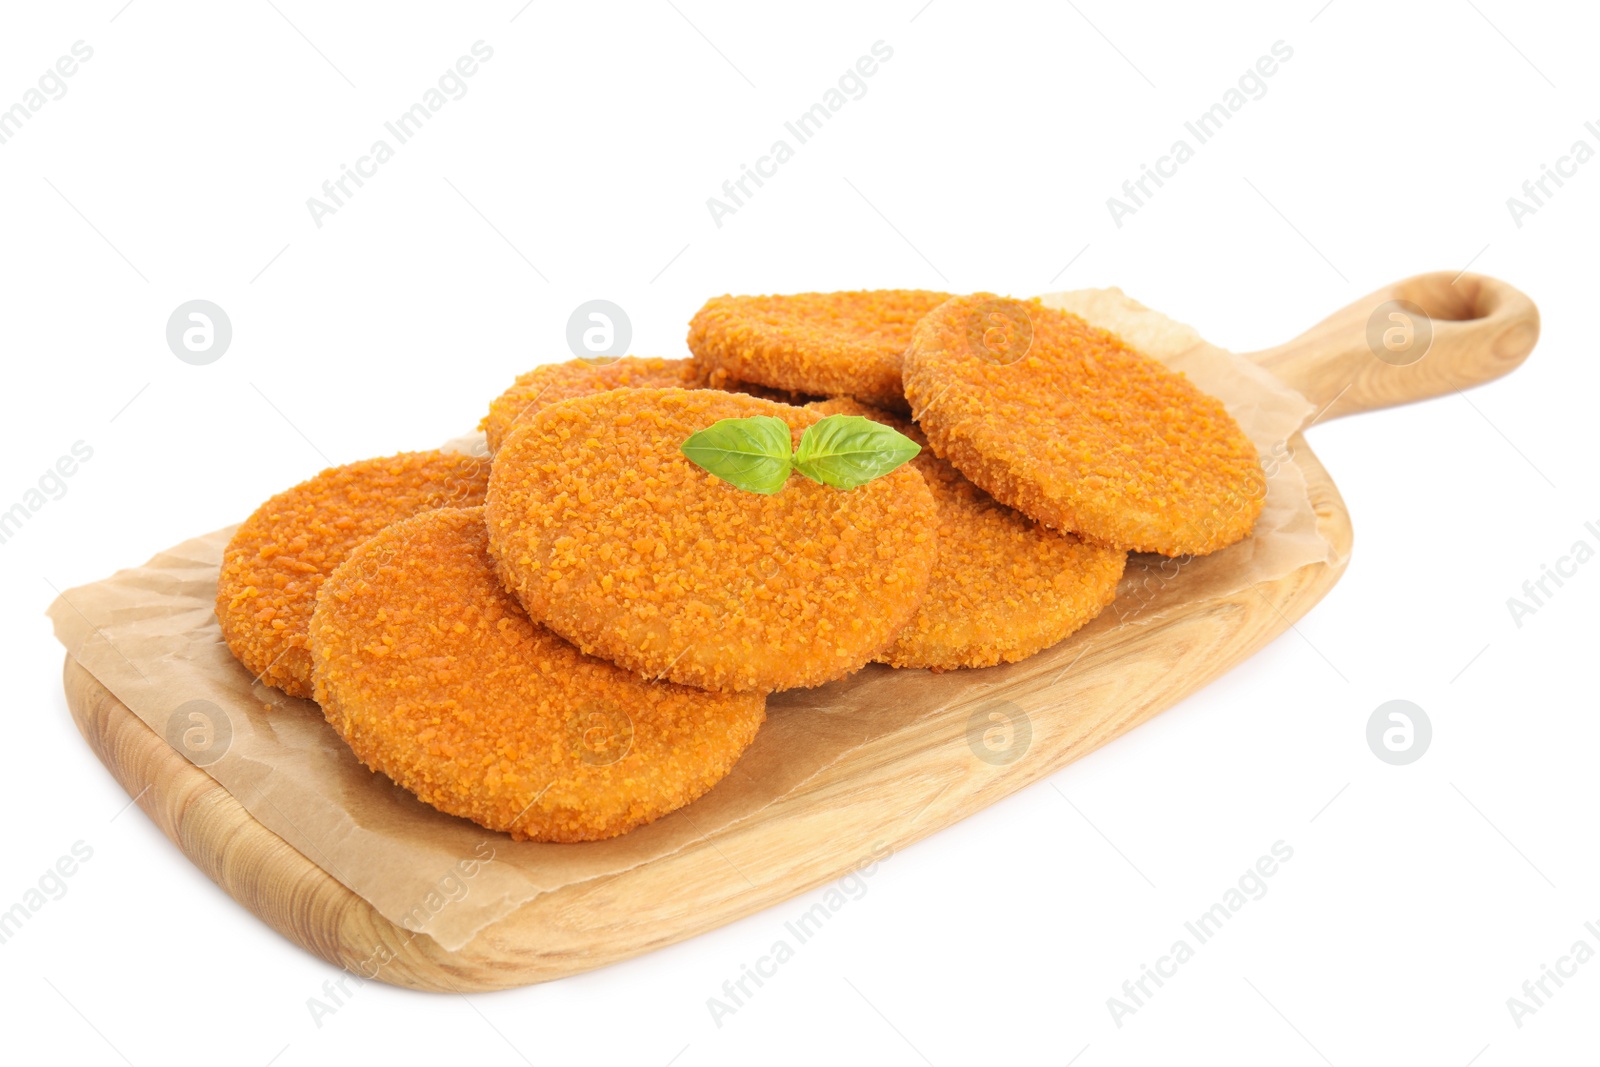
x=886, y=794
x=1481, y=329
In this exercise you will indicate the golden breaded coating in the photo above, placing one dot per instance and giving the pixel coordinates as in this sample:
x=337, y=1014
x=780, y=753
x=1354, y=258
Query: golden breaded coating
x=1004, y=587
x=616, y=541
x=278, y=558
x=719, y=379
x=554, y=382
x=1070, y=426
x=433, y=674
x=822, y=344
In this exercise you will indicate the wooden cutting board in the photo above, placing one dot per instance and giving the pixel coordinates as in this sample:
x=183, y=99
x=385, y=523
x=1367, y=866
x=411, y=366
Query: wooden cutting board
x=888, y=793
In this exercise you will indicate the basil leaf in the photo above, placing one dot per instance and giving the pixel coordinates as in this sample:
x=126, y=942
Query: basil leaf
x=752, y=454
x=845, y=451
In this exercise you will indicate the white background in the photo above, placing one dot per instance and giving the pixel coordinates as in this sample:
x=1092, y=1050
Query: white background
x=1419, y=898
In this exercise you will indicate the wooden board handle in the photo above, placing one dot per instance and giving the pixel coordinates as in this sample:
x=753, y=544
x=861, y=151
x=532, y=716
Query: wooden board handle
x=1426, y=335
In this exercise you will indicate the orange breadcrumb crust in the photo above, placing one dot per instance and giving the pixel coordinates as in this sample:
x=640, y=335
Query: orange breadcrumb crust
x=1082, y=432
x=1004, y=587
x=614, y=540
x=822, y=344
x=278, y=558
x=434, y=675
x=554, y=382
x=719, y=379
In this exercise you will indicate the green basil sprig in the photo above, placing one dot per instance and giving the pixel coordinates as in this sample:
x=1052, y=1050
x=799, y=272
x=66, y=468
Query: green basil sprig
x=843, y=451
x=751, y=453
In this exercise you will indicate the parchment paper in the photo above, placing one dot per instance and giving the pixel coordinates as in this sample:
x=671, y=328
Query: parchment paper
x=150, y=635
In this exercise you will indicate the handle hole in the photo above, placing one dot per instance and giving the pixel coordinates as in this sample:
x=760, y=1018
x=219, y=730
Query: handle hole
x=1465, y=300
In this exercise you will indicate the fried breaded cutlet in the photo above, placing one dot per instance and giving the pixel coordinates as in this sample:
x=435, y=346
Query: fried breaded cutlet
x=278, y=558
x=611, y=537
x=821, y=344
x=433, y=674
x=1072, y=427
x=554, y=382
x=1004, y=587
x=718, y=379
